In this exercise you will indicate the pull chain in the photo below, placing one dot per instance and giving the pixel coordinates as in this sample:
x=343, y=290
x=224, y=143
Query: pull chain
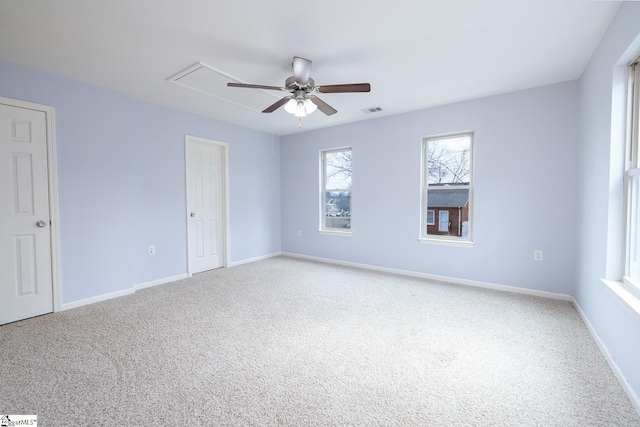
x=299, y=122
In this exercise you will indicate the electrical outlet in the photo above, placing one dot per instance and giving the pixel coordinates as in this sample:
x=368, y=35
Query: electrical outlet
x=299, y=233
x=537, y=255
x=152, y=250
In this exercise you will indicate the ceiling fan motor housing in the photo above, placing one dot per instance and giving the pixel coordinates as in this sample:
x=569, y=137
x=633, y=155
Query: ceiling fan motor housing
x=291, y=84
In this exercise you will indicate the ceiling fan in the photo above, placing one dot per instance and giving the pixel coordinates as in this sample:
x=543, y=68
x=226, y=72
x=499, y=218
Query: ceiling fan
x=302, y=102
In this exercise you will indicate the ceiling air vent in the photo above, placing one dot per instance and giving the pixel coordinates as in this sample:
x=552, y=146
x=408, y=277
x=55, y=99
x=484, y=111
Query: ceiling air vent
x=372, y=110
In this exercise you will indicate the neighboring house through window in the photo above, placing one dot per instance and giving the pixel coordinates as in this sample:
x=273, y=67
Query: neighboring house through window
x=447, y=189
x=335, y=192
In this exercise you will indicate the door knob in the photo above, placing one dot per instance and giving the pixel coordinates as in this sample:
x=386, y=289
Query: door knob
x=192, y=214
x=41, y=224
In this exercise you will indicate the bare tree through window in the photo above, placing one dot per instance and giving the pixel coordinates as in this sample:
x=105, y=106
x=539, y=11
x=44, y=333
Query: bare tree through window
x=449, y=161
x=339, y=167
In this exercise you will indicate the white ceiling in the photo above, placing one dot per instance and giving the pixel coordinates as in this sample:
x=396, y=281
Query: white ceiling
x=415, y=54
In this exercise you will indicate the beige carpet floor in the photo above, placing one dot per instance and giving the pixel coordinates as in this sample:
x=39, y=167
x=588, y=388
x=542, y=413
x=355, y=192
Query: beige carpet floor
x=291, y=342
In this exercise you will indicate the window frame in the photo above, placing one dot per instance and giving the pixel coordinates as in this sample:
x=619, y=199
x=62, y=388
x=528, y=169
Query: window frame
x=433, y=239
x=323, y=229
x=625, y=289
x=632, y=169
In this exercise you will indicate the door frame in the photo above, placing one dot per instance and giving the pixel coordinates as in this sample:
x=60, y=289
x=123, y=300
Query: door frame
x=225, y=196
x=52, y=175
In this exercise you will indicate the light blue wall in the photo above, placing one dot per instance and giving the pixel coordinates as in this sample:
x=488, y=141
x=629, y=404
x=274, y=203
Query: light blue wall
x=600, y=190
x=254, y=188
x=121, y=173
x=525, y=173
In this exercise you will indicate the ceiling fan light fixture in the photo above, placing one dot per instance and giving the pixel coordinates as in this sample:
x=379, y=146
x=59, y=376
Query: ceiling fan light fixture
x=290, y=107
x=300, y=110
x=309, y=106
x=300, y=107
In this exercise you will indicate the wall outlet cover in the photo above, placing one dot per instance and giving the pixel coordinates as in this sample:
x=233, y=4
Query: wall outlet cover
x=537, y=255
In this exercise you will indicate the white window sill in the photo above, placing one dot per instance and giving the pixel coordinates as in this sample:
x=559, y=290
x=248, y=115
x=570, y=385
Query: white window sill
x=335, y=233
x=624, y=293
x=447, y=242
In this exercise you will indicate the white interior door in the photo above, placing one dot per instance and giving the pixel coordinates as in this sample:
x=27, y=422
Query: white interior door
x=205, y=204
x=25, y=242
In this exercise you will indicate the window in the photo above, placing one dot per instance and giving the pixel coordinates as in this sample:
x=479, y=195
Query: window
x=447, y=194
x=627, y=288
x=335, y=194
x=431, y=217
x=632, y=181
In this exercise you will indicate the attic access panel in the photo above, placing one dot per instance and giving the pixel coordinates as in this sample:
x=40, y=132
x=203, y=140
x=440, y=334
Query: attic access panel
x=213, y=82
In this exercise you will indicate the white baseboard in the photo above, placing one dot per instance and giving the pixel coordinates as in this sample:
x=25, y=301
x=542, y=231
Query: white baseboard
x=144, y=285
x=258, y=258
x=160, y=281
x=111, y=295
x=447, y=279
x=633, y=397
x=98, y=298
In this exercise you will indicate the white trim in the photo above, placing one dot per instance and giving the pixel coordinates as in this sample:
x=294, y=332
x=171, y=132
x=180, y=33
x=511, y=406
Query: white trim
x=328, y=232
x=160, y=281
x=52, y=166
x=227, y=210
x=98, y=298
x=631, y=394
x=454, y=280
x=53, y=212
x=625, y=292
x=323, y=229
x=625, y=295
x=226, y=243
x=424, y=186
x=257, y=258
x=139, y=286
x=447, y=242
x=124, y=292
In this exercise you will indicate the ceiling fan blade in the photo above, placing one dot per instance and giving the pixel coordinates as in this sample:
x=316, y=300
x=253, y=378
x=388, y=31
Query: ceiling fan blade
x=301, y=70
x=250, y=86
x=354, y=87
x=273, y=107
x=323, y=106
